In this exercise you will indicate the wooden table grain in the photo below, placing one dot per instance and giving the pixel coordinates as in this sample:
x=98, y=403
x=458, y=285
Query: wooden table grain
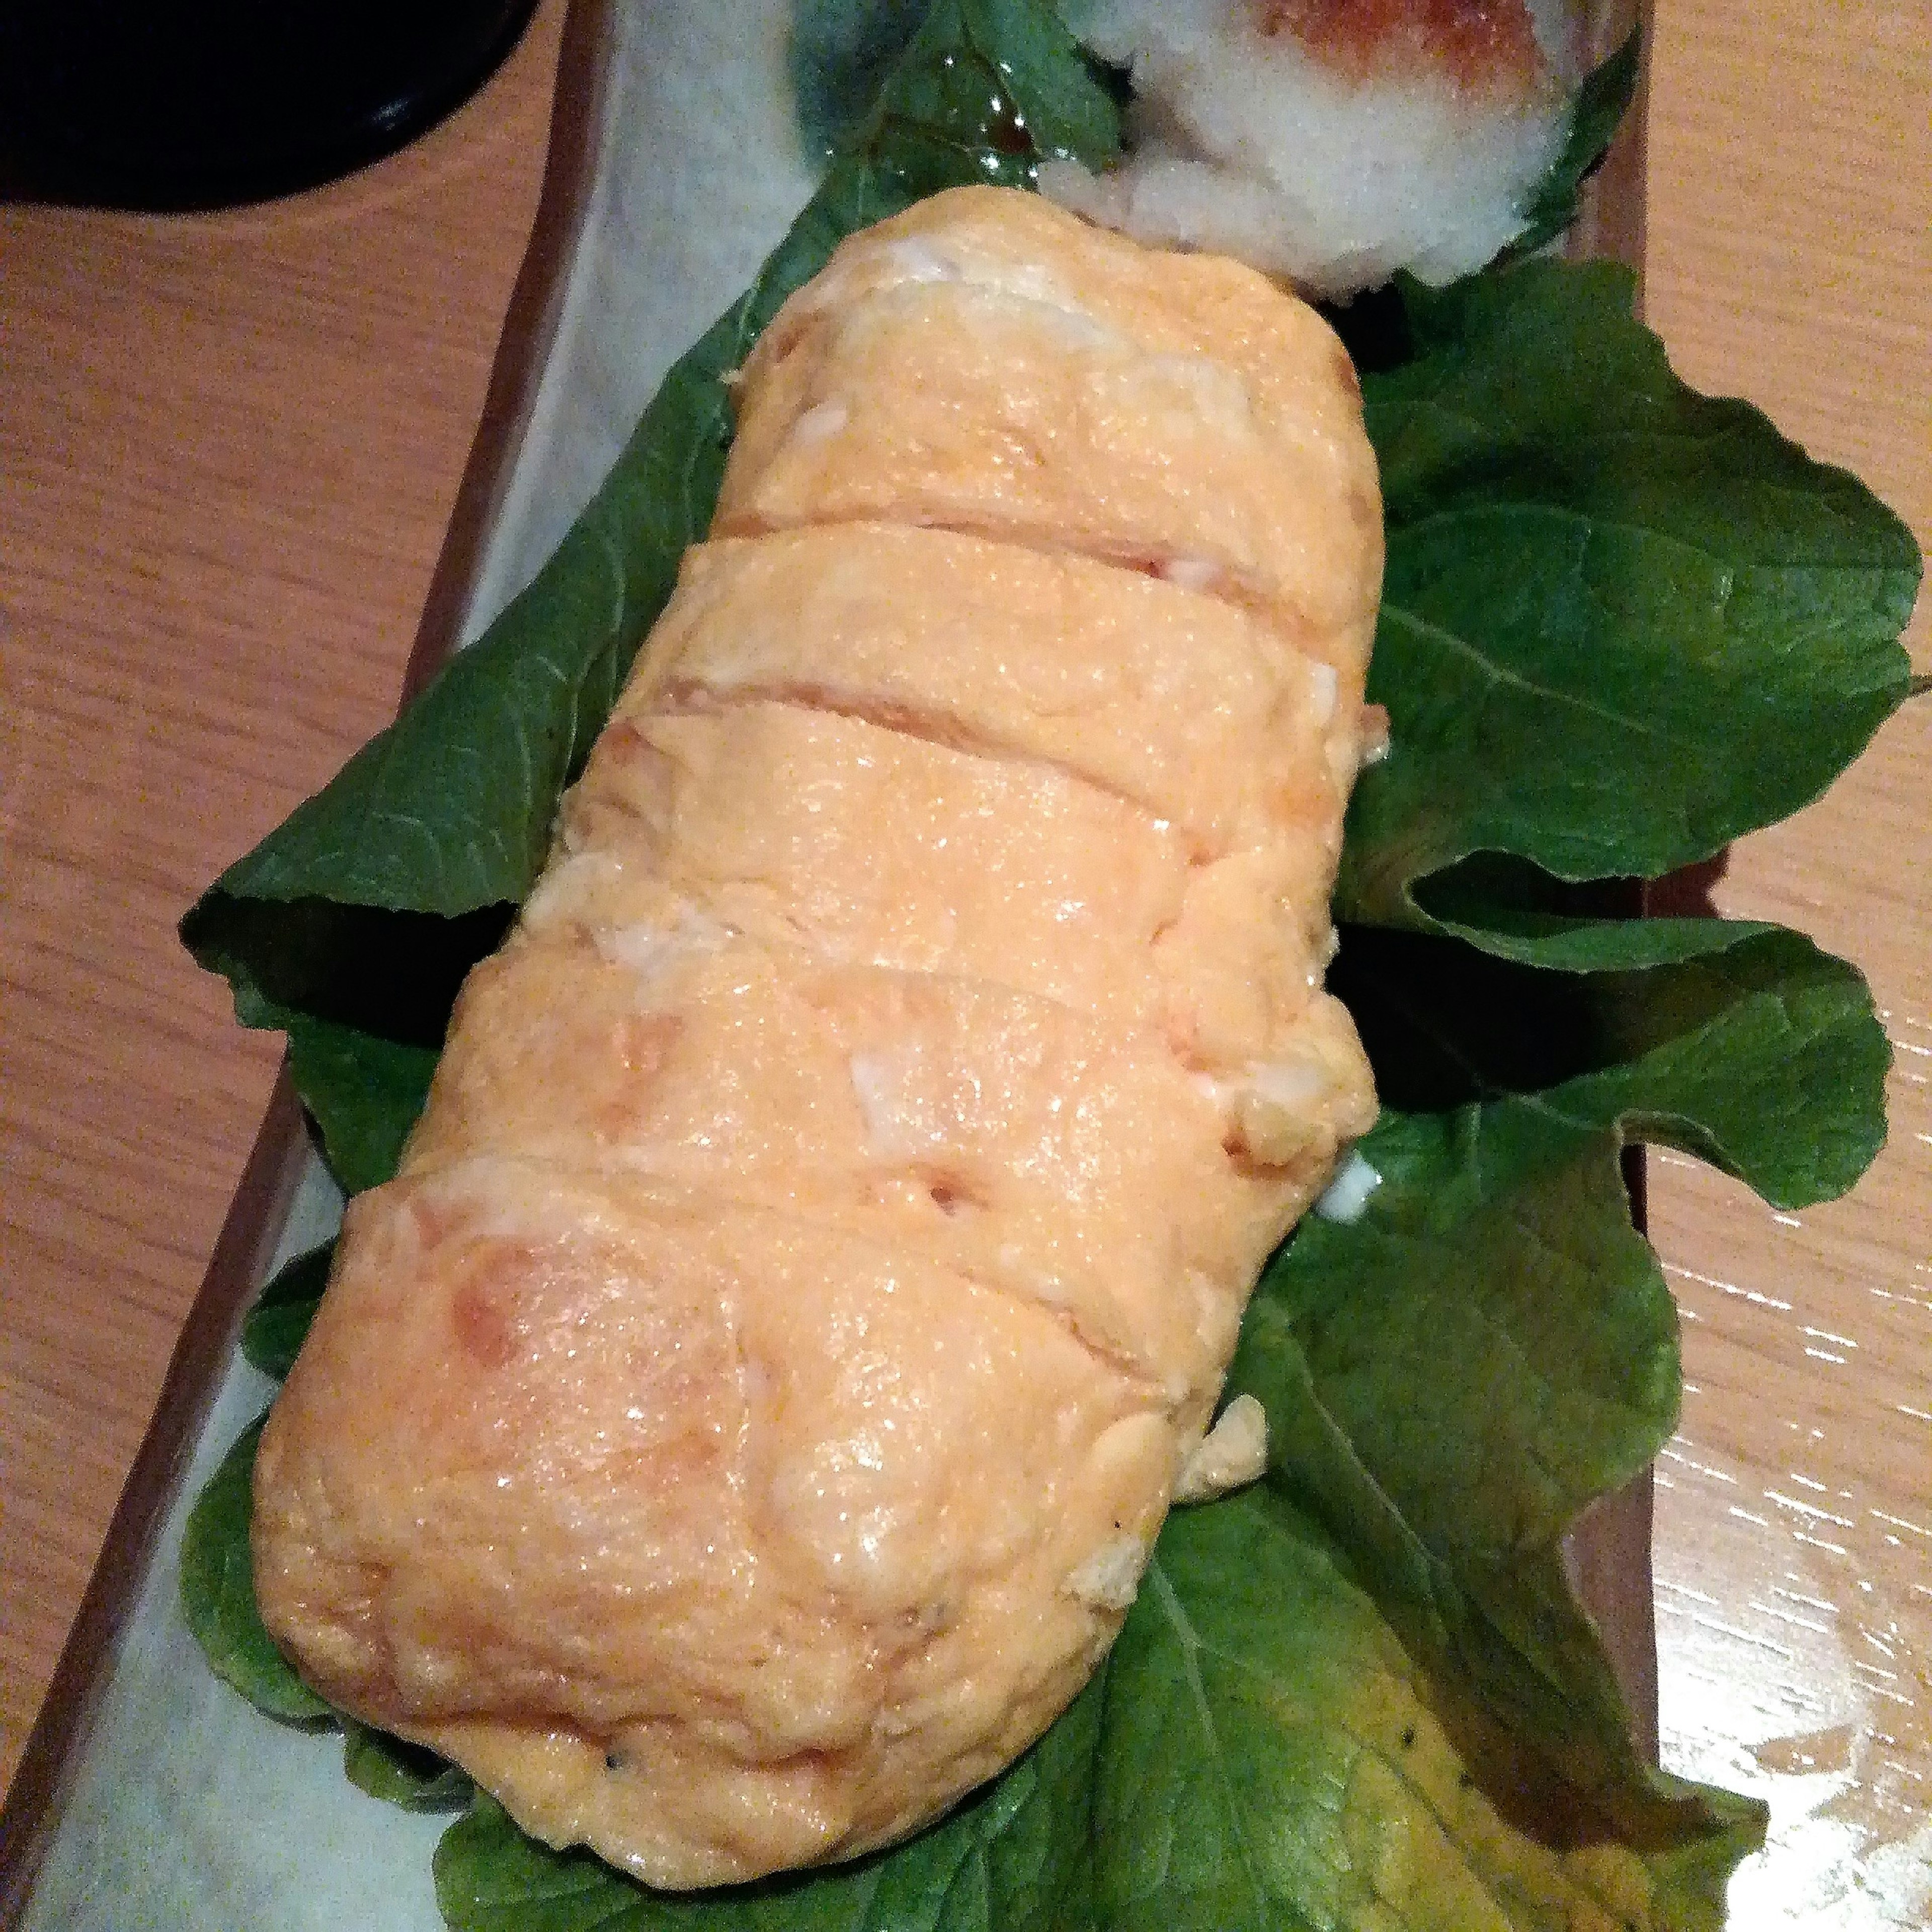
x=1789, y=259
x=228, y=448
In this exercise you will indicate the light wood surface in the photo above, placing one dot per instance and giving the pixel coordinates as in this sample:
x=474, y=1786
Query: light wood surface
x=1789, y=259
x=228, y=447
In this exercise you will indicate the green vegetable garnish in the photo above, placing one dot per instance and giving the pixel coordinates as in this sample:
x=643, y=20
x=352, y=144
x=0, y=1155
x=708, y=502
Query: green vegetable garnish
x=1621, y=623
x=218, y=1593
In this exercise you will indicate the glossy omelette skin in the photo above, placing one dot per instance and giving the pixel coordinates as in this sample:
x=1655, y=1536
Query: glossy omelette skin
x=740, y=1428
x=1003, y=368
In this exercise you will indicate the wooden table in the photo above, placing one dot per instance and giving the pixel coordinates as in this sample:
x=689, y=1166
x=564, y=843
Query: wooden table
x=1789, y=259
x=228, y=448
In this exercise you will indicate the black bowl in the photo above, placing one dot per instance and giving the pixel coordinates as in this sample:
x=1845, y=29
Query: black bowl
x=178, y=104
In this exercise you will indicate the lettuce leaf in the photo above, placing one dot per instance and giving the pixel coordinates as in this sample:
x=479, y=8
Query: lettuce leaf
x=218, y=1593
x=1455, y=1377
x=407, y=1776
x=1622, y=624
x=1275, y=1758
x=275, y=1328
x=1595, y=114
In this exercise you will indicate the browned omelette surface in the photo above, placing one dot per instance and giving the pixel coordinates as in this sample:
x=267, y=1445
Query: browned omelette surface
x=741, y=1427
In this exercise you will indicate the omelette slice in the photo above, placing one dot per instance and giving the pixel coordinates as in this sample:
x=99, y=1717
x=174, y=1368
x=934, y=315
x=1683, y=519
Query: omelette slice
x=1005, y=369
x=1181, y=704
x=741, y=1427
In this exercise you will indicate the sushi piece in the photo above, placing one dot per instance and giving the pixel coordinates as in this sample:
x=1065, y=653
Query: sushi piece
x=741, y=1427
x=1330, y=142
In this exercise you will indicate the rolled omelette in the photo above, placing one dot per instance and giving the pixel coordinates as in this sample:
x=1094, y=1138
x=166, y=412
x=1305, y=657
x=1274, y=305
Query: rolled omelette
x=740, y=1428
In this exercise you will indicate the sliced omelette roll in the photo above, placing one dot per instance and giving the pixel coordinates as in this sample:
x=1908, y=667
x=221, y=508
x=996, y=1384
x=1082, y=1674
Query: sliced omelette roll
x=1045, y=389
x=1023, y=1144
x=742, y=1425
x=1177, y=702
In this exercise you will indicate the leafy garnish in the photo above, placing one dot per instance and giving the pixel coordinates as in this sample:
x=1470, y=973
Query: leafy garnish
x=276, y=1324
x=1273, y=1757
x=1623, y=625
x=1453, y=1378
x=1595, y=114
x=218, y=1593
x=1762, y=1055
x=405, y=1775
x=839, y=54
x=363, y=1092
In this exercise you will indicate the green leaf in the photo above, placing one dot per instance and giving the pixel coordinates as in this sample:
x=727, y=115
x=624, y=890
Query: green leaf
x=218, y=1593
x=1274, y=1758
x=1453, y=1379
x=1516, y=910
x=840, y=53
x=406, y=1775
x=1762, y=1054
x=1509, y=1300
x=363, y=1093
x=363, y=996
x=1595, y=114
x=273, y=1331
x=1622, y=624
x=1003, y=83
x=1014, y=1858
x=392, y=971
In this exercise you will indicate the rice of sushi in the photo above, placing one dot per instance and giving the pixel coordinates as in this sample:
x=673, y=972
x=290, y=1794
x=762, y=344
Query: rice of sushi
x=1330, y=142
